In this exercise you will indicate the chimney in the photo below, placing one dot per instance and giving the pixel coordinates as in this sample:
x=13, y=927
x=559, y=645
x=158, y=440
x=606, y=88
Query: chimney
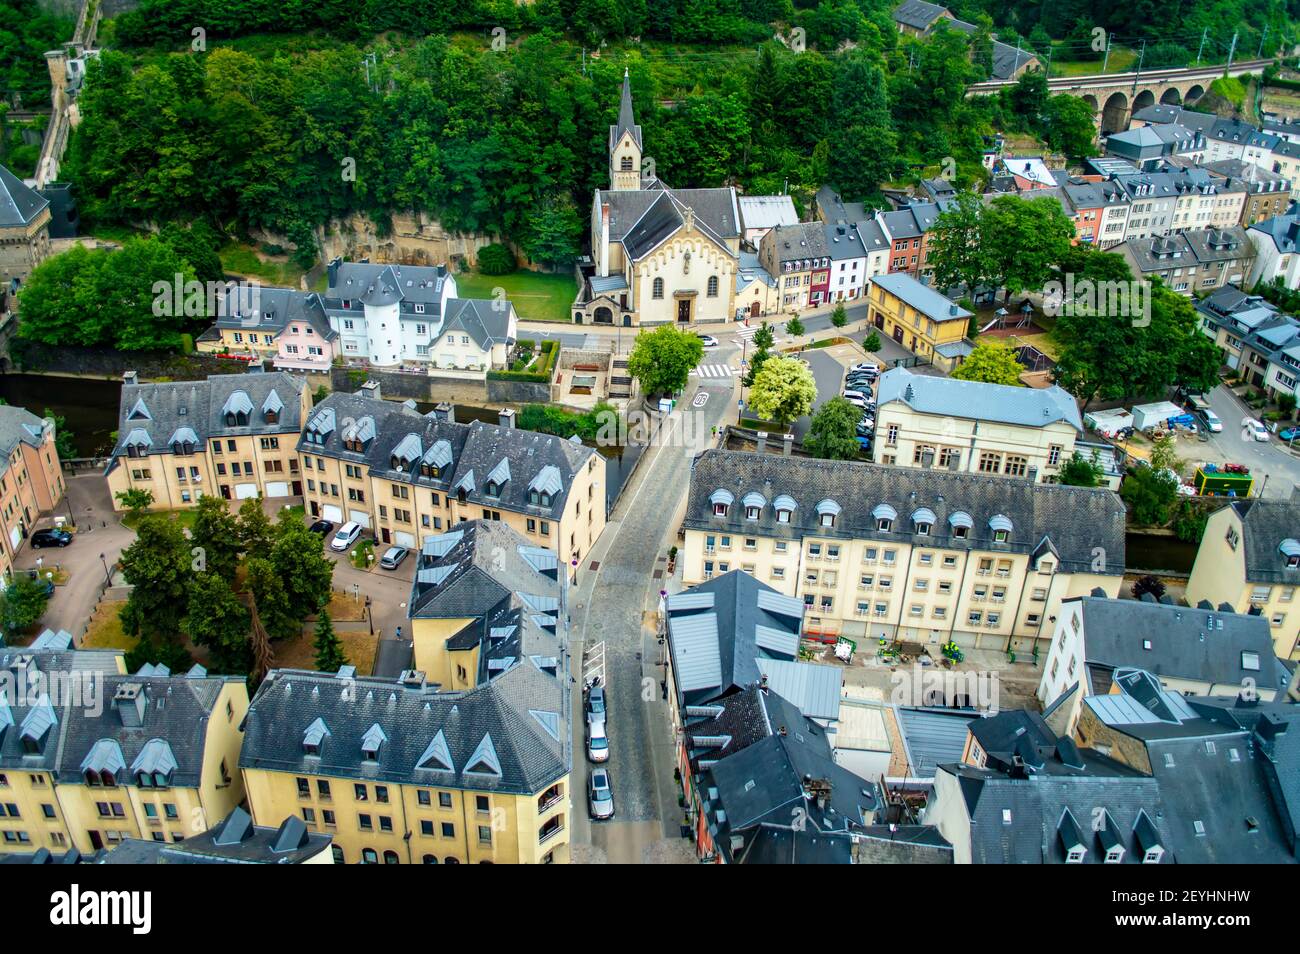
x=604, y=239
x=332, y=270
x=130, y=377
x=445, y=412
x=762, y=442
x=506, y=418
x=371, y=390
x=412, y=678
x=787, y=444
x=129, y=702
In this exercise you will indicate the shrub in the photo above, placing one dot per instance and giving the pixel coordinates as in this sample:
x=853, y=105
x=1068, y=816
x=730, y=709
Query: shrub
x=495, y=259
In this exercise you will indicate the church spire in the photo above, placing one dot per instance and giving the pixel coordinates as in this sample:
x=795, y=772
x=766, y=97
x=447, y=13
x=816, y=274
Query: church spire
x=625, y=144
x=626, y=121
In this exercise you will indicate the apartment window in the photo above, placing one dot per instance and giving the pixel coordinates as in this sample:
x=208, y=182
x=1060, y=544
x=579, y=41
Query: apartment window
x=990, y=463
x=485, y=834
x=360, y=793
x=365, y=823
x=322, y=788
x=304, y=788
x=448, y=830
x=444, y=799
x=1017, y=466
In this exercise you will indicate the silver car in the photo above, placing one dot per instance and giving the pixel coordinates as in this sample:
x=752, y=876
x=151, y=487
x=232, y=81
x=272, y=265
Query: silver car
x=392, y=557
x=600, y=797
x=597, y=741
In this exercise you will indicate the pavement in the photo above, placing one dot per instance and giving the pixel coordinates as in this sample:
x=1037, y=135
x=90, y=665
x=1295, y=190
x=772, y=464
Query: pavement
x=100, y=531
x=1269, y=460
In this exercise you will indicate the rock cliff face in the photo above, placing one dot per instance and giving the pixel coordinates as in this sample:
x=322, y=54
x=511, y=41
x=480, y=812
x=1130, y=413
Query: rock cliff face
x=415, y=239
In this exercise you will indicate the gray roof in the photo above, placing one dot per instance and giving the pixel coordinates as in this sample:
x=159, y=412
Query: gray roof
x=1265, y=523
x=161, y=409
x=234, y=841
x=813, y=688
x=1159, y=253
x=1029, y=407
x=475, y=447
x=932, y=737
x=1283, y=230
x=911, y=221
x=802, y=245
x=1184, y=642
x=489, y=733
x=471, y=569
x=918, y=14
x=486, y=321
x=921, y=297
x=365, y=283
x=642, y=219
x=19, y=203
x=718, y=631
x=1072, y=520
x=20, y=426
x=767, y=211
x=626, y=119
x=901, y=845
x=275, y=309
x=832, y=207
x=844, y=242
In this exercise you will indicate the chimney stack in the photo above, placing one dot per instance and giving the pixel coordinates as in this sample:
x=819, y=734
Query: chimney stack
x=445, y=412
x=130, y=377
x=129, y=702
x=332, y=270
x=506, y=418
x=787, y=445
x=371, y=390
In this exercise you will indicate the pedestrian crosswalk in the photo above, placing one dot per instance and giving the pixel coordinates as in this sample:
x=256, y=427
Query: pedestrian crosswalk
x=746, y=334
x=714, y=371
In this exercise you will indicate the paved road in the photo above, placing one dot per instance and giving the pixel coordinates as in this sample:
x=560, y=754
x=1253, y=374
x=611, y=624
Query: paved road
x=1264, y=459
x=615, y=606
x=829, y=375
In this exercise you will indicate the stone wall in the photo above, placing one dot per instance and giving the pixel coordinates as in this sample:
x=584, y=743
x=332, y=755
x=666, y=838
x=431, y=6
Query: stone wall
x=415, y=239
x=395, y=385
x=107, y=363
x=518, y=392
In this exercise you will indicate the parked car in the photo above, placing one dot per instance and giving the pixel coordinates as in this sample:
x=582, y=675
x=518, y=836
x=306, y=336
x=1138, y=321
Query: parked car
x=1251, y=428
x=50, y=538
x=596, y=704
x=322, y=527
x=859, y=380
x=856, y=399
x=600, y=797
x=392, y=557
x=1210, y=420
x=866, y=427
x=346, y=536
x=865, y=367
x=708, y=340
x=597, y=741
x=1289, y=434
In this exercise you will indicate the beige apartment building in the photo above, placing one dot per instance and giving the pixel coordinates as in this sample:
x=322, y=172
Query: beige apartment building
x=232, y=435
x=408, y=477
x=1249, y=560
x=98, y=756
x=918, y=555
x=974, y=427
x=31, y=480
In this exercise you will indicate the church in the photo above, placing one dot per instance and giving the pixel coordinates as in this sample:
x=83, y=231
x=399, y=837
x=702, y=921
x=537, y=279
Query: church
x=658, y=255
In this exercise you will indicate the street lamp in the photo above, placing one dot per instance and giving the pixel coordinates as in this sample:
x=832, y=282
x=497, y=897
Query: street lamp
x=108, y=577
x=370, y=616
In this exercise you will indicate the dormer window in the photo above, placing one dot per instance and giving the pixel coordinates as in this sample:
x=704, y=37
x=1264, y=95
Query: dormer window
x=1115, y=855
x=419, y=309
x=721, y=500
x=1001, y=527
x=783, y=516
x=493, y=489
x=1153, y=855
x=923, y=529
x=719, y=510
x=752, y=513
x=999, y=536
x=961, y=533
x=1076, y=855
x=827, y=513
x=273, y=417
x=1292, y=562
x=826, y=519
x=372, y=742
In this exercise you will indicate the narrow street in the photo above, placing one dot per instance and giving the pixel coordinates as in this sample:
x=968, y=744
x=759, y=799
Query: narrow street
x=614, y=610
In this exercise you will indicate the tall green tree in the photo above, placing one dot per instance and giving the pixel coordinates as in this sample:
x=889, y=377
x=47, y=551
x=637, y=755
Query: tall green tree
x=301, y=566
x=215, y=618
x=254, y=529
x=991, y=362
x=330, y=656
x=833, y=431
x=271, y=598
x=662, y=359
x=956, y=251
x=783, y=390
x=215, y=533
x=158, y=567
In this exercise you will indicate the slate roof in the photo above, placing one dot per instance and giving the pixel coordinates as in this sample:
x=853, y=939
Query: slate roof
x=234, y=841
x=161, y=409
x=921, y=297
x=642, y=219
x=1157, y=253
x=276, y=309
x=767, y=211
x=1073, y=520
x=175, y=709
x=481, y=730
x=19, y=203
x=932, y=737
x=1185, y=642
x=474, y=448
x=366, y=283
x=626, y=120
x=1265, y=523
x=803, y=245
x=1282, y=230
x=474, y=567
x=918, y=14
x=1028, y=407
x=843, y=242
x=901, y=845
x=911, y=221
x=719, y=629
x=20, y=426
x=832, y=207
x=482, y=319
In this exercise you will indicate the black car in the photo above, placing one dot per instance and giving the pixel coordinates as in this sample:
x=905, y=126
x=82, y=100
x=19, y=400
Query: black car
x=50, y=538
x=323, y=527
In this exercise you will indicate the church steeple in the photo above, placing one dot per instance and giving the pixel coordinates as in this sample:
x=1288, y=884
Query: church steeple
x=625, y=144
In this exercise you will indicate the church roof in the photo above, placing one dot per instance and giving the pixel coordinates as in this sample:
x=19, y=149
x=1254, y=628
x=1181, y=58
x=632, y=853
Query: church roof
x=626, y=121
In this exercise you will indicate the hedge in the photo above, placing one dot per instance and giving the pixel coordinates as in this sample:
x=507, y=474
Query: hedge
x=548, y=348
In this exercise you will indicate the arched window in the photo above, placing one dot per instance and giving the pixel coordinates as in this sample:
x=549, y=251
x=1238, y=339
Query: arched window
x=452, y=861
x=658, y=286
x=713, y=286
x=627, y=164
x=430, y=859
x=390, y=857
x=369, y=856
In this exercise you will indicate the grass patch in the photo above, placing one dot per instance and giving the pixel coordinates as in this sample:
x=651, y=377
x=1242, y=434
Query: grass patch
x=105, y=629
x=1122, y=59
x=299, y=653
x=240, y=259
x=344, y=609
x=829, y=342
x=1230, y=88
x=361, y=554
x=184, y=517
x=537, y=296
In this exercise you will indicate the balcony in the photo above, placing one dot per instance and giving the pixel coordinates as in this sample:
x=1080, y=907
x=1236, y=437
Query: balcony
x=550, y=830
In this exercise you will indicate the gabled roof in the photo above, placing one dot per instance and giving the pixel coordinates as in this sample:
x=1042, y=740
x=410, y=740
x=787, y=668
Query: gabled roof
x=19, y=203
x=488, y=322
x=921, y=297
x=1265, y=523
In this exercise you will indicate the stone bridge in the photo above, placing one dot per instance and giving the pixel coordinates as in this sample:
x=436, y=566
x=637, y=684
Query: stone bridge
x=1114, y=97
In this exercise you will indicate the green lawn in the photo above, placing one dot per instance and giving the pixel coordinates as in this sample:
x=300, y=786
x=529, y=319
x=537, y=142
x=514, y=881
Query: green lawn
x=1122, y=59
x=537, y=296
x=240, y=259
x=184, y=517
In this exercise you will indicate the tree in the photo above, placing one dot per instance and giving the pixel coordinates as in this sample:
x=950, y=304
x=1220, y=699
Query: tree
x=330, y=656
x=1149, y=494
x=254, y=529
x=1023, y=240
x=840, y=316
x=662, y=360
x=956, y=253
x=991, y=362
x=197, y=244
x=216, y=535
x=872, y=343
x=1164, y=455
x=783, y=390
x=136, y=500
x=1080, y=471
x=1069, y=127
x=24, y=600
x=270, y=601
x=305, y=572
x=1029, y=96
x=218, y=620
x=833, y=431
x=864, y=145
x=62, y=436
x=158, y=567
x=794, y=327
x=1148, y=584
x=1189, y=521
x=496, y=259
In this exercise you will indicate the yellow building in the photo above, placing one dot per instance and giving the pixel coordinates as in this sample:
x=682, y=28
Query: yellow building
x=232, y=435
x=919, y=318
x=90, y=756
x=408, y=477
x=31, y=481
x=235, y=841
x=973, y=427
x=1249, y=559
x=923, y=556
